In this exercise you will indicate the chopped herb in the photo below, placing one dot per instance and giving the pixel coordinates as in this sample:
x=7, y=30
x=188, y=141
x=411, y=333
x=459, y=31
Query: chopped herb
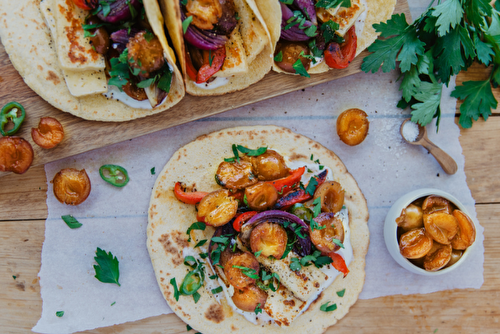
x=321, y=167
x=248, y=272
x=187, y=326
x=185, y=2
x=195, y=226
x=258, y=309
x=146, y=83
x=295, y=264
x=229, y=159
x=153, y=171
x=71, y=221
x=235, y=152
x=279, y=57
x=326, y=4
x=59, y=313
x=257, y=254
x=217, y=290
x=322, y=261
x=203, y=255
x=210, y=58
x=186, y=23
x=317, y=161
x=328, y=29
x=305, y=261
x=113, y=303
x=245, y=200
x=311, y=31
x=315, y=226
x=148, y=36
x=14, y=277
x=252, y=153
x=287, y=2
x=300, y=69
x=326, y=308
x=132, y=9
x=165, y=81
x=214, y=276
x=341, y=293
x=196, y=297
x=106, y=270
x=201, y=243
x=317, y=207
x=344, y=207
x=338, y=243
x=311, y=186
x=309, y=171
x=312, y=157
x=189, y=259
x=236, y=16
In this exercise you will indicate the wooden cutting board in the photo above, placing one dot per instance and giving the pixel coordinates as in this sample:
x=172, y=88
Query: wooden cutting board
x=82, y=135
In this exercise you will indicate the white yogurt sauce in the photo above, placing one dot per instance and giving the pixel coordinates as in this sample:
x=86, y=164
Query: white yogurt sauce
x=115, y=94
x=360, y=22
x=318, y=60
x=218, y=82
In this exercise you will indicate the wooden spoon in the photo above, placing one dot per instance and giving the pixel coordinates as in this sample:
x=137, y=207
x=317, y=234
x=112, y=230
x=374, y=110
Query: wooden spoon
x=447, y=163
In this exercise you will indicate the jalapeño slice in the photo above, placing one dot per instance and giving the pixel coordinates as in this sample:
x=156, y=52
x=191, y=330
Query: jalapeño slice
x=114, y=174
x=13, y=112
x=192, y=282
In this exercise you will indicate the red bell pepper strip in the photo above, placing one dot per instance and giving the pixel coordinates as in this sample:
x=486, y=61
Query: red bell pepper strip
x=285, y=184
x=338, y=263
x=340, y=56
x=212, y=63
x=300, y=195
x=242, y=219
x=238, y=195
x=188, y=197
x=190, y=70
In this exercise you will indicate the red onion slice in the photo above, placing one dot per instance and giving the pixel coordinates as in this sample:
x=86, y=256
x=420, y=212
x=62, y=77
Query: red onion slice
x=307, y=7
x=120, y=10
x=203, y=39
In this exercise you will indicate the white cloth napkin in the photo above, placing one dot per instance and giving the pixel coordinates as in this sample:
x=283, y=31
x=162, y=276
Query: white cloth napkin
x=115, y=219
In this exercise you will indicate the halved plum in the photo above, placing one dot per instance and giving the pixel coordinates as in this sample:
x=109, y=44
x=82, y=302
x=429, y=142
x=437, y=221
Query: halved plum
x=435, y=203
x=249, y=298
x=442, y=227
x=438, y=257
x=71, y=186
x=270, y=166
x=217, y=208
x=332, y=196
x=235, y=175
x=239, y=268
x=415, y=244
x=411, y=218
x=261, y=196
x=270, y=238
x=466, y=231
x=330, y=227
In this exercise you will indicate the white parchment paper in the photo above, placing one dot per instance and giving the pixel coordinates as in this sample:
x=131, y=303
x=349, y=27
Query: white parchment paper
x=115, y=219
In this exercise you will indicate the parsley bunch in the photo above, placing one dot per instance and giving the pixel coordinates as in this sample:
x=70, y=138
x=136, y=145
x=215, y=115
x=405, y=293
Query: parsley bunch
x=446, y=39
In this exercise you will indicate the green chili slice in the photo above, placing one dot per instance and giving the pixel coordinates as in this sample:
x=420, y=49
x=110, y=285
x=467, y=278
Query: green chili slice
x=114, y=174
x=13, y=112
x=302, y=212
x=192, y=282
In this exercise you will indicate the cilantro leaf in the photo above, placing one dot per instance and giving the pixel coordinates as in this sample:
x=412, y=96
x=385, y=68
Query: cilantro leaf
x=478, y=100
x=448, y=14
x=195, y=226
x=326, y=308
x=106, y=270
x=430, y=98
x=300, y=69
x=71, y=221
x=248, y=272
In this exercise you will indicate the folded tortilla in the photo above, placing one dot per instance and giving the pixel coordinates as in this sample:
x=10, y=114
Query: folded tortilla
x=28, y=41
x=376, y=11
x=195, y=164
x=241, y=72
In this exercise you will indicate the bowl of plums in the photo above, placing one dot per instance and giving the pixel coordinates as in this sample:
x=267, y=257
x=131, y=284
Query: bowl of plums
x=429, y=232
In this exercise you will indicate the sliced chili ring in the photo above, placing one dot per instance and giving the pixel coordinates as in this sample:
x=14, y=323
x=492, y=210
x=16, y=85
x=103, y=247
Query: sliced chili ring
x=10, y=113
x=192, y=282
x=114, y=175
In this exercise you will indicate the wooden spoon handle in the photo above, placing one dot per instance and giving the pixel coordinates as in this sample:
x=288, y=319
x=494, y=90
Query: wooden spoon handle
x=447, y=163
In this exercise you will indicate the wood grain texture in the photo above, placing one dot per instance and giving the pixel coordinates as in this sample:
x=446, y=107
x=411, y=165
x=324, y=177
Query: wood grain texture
x=82, y=136
x=453, y=311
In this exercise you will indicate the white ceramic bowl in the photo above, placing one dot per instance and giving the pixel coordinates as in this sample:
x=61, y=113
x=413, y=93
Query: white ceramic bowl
x=390, y=230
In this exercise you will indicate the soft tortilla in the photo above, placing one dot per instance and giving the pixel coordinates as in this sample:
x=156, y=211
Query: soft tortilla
x=195, y=164
x=257, y=69
x=378, y=11
x=28, y=42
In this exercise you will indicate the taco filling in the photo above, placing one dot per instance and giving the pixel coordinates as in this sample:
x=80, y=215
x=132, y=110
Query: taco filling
x=282, y=235
x=110, y=48
x=316, y=31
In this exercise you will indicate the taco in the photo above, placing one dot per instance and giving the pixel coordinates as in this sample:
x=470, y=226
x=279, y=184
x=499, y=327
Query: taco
x=276, y=241
x=223, y=45
x=314, y=36
x=106, y=61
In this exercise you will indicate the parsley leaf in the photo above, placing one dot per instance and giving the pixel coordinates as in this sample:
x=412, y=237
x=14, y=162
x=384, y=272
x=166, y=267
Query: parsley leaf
x=326, y=308
x=311, y=186
x=478, y=100
x=195, y=226
x=341, y=293
x=258, y=309
x=333, y=3
x=328, y=30
x=235, y=152
x=71, y=221
x=153, y=171
x=430, y=98
x=338, y=243
x=248, y=272
x=448, y=14
x=279, y=57
x=217, y=290
x=196, y=297
x=59, y=313
x=106, y=270
x=300, y=69
x=201, y=243
x=317, y=207
x=252, y=153
x=295, y=264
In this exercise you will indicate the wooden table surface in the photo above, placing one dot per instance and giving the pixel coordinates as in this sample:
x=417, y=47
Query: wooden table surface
x=23, y=211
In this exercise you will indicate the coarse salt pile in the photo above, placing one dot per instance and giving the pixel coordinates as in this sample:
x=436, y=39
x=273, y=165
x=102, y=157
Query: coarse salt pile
x=410, y=131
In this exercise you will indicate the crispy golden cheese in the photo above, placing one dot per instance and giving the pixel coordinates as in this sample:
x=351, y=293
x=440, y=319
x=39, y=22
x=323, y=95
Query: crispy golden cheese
x=236, y=58
x=80, y=82
x=345, y=17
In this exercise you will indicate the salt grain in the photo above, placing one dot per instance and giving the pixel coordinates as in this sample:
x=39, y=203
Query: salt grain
x=410, y=131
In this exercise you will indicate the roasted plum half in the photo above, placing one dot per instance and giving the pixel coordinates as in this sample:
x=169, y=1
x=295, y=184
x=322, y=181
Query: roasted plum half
x=217, y=208
x=235, y=175
x=239, y=268
x=330, y=227
x=270, y=166
x=466, y=233
x=145, y=53
x=411, y=218
x=442, y=227
x=247, y=299
x=438, y=257
x=270, y=239
x=415, y=244
x=455, y=256
x=290, y=52
x=48, y=134
x=332, y=196
x=352, y=126
x=435, y=203
x=16, y=155
x=71, y=186
x=261, y=196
